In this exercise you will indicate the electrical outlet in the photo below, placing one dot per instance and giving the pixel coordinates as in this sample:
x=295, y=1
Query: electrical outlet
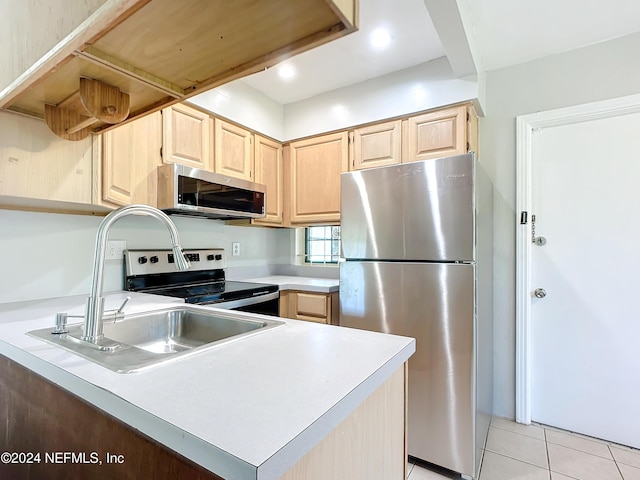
x=115, y=249
x=235, y=249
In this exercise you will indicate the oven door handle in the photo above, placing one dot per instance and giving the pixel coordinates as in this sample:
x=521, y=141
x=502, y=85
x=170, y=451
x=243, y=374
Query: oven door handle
x=243, y=302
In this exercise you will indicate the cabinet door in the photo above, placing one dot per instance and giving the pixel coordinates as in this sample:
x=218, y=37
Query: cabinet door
x=313, y=168
x=35, y=164
x=268, y=168
x=309, y=306
x=186, y=137
x=233, y=152
x=436, y=134
x=130, y=157
x=376, y=145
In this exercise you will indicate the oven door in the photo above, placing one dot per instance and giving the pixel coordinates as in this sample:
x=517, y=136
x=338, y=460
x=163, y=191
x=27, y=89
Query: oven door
x=267, y=304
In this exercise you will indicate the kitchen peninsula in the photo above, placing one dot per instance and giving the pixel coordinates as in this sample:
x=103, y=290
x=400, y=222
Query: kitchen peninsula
x=302, y=400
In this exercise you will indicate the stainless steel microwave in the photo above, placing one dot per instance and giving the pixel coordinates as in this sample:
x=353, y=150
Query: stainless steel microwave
x=193, y=192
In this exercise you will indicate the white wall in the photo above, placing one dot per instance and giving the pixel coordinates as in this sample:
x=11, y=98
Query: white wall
x=428, y=85
x=598, y=72
x=46, y=255
x=245, y=105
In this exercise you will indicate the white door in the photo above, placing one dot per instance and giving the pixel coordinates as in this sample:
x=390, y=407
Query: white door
x=585, y=333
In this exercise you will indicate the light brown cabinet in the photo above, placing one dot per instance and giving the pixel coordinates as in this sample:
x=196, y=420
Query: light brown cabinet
x=376, y=145
x=41, y=171
x=130, y=157
x=233, y=150
x=442, y=133
x=186, y=137
x=159, y=52
x=269, y=172
x=310, y=306
x=312, y=177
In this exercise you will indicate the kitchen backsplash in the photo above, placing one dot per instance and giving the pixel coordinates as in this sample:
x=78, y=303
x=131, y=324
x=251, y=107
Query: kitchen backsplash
x=48, y=255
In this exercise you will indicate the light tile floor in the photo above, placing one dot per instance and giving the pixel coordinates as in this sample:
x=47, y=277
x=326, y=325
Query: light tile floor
x=538, y=452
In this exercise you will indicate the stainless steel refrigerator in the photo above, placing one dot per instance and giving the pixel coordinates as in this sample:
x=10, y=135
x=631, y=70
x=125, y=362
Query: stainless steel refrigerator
x=417, y=261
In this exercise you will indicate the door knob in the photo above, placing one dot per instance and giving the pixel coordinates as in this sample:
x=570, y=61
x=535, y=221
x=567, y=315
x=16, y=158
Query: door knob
x=540, y=292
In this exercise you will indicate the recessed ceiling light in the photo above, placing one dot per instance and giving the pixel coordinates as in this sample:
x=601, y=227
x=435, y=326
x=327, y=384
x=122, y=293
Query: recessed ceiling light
x=286, y=71
x=380, y=38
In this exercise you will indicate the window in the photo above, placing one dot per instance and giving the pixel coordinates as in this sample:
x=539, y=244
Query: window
x=322, y=244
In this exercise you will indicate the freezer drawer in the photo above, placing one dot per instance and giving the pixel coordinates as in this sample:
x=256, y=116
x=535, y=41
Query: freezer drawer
x=434, y=303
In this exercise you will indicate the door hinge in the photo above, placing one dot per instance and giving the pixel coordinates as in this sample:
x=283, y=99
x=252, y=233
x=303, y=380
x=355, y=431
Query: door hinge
x=523, y=217
x=161, y=152
x=468, y=117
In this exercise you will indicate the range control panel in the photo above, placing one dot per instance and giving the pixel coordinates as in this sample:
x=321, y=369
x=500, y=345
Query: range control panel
x=144, y=262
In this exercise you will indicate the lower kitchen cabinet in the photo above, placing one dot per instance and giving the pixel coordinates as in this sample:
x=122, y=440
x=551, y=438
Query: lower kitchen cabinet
x=310, y=306
x=130, y=157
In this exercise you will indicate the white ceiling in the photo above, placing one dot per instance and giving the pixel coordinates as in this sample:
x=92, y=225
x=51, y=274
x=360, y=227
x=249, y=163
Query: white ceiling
x=502, y=33
x=509, y=32
x=350, y=59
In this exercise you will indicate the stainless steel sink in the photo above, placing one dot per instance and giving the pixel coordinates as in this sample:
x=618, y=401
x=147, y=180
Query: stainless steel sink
x=147, y=339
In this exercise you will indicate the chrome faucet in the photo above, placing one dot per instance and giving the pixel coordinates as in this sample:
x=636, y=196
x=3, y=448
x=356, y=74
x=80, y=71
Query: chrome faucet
x=92, y=331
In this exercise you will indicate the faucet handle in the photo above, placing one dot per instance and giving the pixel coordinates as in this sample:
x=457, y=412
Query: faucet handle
x=117, y=314
x=126, y=300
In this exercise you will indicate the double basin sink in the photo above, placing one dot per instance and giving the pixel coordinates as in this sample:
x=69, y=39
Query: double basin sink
x=142, y=340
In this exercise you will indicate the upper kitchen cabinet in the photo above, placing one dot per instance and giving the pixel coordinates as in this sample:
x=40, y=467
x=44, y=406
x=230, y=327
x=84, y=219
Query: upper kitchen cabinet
x=145, y=55
x=233, y=150
x=41, y=171
x=130, y=158
x=312, y=175
x=442, y=133
x=269, y=172
x=376, y=145
x=186, y=137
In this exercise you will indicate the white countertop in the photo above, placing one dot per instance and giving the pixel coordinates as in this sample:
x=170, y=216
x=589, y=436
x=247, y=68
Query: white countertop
x=308, y=284
x=245, y=409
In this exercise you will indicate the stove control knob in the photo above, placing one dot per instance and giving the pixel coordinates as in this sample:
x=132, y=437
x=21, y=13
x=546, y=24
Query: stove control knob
x=210, y=257
x=218, y=257
x=154, y=259
x=142, y=260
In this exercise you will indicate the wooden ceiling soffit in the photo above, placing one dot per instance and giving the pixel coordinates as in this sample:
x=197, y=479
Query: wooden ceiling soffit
x=94, y=55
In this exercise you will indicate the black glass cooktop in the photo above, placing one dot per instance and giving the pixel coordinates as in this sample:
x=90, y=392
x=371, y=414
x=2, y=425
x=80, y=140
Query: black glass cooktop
x=213, y=292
